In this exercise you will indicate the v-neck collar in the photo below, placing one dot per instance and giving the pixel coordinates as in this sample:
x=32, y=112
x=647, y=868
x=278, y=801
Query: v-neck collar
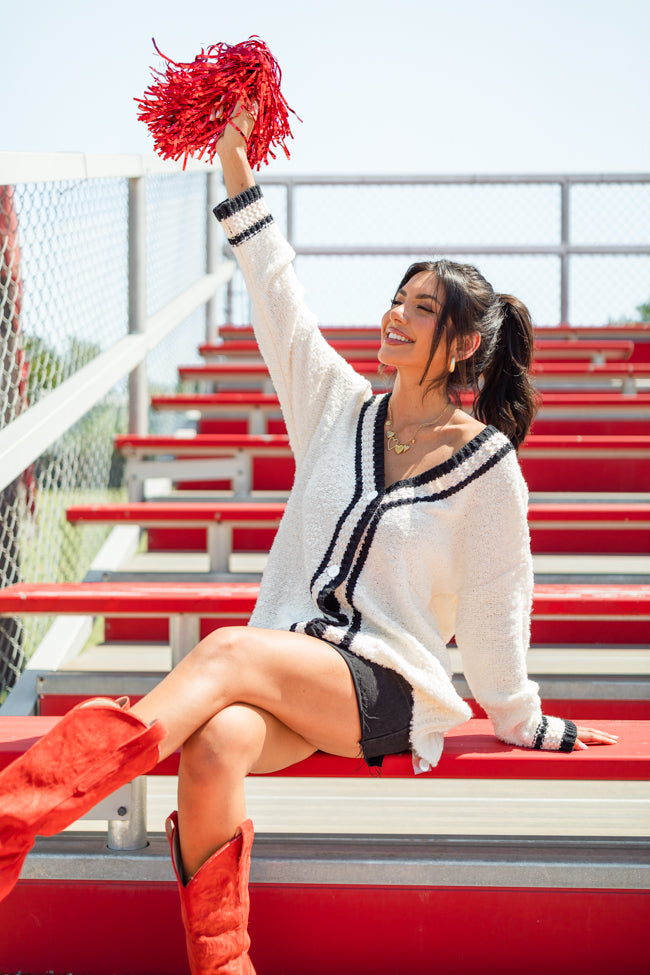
x=456, y=459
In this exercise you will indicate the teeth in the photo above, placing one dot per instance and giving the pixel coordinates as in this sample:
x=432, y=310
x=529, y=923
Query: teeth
x=397, y=337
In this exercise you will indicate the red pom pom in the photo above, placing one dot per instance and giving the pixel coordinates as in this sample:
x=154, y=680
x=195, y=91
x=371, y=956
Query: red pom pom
x=178, y=107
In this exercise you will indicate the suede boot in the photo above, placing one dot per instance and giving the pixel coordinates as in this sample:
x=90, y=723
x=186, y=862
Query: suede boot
x=214, y=905
x=94, y=749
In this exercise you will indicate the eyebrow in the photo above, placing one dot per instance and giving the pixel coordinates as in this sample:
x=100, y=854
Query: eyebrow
x=421, y=296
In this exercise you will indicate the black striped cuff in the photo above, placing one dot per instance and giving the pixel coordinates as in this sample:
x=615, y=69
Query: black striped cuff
x=540, y=734
x=569, y=737
x=557, y=735
x=244, y=215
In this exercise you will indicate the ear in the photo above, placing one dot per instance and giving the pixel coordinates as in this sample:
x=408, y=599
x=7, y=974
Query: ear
x=466, y=347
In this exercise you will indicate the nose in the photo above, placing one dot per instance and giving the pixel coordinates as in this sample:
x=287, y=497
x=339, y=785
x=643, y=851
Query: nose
x=397, y=312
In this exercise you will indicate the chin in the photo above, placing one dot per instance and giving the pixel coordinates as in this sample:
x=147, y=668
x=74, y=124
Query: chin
x=388, y=358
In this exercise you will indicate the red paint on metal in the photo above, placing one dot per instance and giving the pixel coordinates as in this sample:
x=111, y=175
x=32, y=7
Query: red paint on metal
x=471, y=751
x=107, y=928
x=585, y=710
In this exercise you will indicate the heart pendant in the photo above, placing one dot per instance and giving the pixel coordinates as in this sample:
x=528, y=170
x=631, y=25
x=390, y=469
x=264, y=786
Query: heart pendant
x=401, y=447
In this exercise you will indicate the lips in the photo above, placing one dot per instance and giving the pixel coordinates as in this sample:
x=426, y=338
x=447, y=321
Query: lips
x=397, y=338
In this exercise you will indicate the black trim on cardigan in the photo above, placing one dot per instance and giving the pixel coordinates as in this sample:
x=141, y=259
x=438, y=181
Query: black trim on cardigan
x=363, y=532
x=456, y=459
x=569, y=737
x=540, y=734
x=358, y=490
x=234, y=204
x=387, y=505
x=250, y=232
x=440, y=495
x=380, y=424
x=325, y=598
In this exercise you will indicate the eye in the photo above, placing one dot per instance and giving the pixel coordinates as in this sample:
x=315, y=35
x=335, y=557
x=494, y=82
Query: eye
x=423, y=308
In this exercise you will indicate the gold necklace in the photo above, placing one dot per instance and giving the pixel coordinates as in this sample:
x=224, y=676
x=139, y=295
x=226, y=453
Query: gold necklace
x=393, y=441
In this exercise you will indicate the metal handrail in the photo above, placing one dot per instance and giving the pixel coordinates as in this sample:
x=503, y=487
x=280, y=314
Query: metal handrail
x=563, y=249
x=35, y=430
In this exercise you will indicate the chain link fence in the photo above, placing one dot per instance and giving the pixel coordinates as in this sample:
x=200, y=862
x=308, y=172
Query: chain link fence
x=64, y=300
x=176, y=242
x=574, y=249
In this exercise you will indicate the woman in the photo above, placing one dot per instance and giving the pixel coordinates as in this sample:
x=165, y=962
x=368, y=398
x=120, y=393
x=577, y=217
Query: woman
x=406, y=525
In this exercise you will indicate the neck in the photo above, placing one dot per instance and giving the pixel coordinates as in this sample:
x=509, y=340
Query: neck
x=409, y=406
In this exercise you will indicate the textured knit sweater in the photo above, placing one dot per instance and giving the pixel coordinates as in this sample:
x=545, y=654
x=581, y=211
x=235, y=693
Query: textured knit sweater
x=391, y=574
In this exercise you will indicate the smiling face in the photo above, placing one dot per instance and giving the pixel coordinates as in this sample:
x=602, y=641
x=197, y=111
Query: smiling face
x=408, y=327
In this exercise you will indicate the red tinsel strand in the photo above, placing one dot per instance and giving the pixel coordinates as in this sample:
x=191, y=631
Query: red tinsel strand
x=177, y=107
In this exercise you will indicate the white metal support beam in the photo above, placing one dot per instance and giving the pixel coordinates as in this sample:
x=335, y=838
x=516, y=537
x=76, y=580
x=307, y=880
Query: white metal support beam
x=40, y=426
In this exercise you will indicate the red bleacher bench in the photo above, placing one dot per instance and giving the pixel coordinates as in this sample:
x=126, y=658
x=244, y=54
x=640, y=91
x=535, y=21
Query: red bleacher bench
x=576, y=462
x=248, y=349
x=471, y=752
x=365, y=348
x=230, y=412
x=224, y=527
x=549, y=375
x=637, y=332
x=218, y=528
x=596, y=527
x=593, y=413
x=563, y=413
x=264, y=462
x=243, y=462
x=546, y=374
x=561, y=612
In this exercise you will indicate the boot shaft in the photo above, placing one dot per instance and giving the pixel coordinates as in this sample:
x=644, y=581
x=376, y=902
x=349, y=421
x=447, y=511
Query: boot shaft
x=215, y=905
x=94, y=749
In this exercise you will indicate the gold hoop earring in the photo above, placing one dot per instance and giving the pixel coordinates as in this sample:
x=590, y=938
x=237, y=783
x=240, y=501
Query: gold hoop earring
x=452, y=364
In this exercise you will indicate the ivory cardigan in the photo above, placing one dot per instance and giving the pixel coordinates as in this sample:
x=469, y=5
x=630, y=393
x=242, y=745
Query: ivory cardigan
x=392, y=573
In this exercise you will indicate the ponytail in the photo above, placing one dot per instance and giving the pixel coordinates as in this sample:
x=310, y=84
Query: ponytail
x=507, y=398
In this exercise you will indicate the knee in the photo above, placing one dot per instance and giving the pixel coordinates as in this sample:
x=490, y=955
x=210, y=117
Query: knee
x=228, y=744
x=222, y=649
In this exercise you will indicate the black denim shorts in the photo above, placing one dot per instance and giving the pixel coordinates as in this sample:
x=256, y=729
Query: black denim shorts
x=385, y=702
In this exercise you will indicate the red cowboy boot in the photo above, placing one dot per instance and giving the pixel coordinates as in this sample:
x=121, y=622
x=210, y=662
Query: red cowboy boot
x=94, y=749
x=214, y=905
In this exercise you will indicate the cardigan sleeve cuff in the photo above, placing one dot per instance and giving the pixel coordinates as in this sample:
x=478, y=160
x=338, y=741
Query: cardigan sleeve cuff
x=243, y=216
x=555, y=735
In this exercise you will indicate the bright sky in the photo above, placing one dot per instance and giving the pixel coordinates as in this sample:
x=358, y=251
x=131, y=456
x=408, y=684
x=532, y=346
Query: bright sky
x=383, y=86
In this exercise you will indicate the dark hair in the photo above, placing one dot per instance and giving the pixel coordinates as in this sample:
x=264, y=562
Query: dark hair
x=498, y=372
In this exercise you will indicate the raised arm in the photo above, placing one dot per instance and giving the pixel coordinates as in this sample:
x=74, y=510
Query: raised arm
x=231, y=149
x=310, y=378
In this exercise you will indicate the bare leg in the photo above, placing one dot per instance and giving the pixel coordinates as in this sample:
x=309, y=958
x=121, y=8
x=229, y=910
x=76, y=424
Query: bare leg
x=244, y=700
x=300, y=680
x=214, y=763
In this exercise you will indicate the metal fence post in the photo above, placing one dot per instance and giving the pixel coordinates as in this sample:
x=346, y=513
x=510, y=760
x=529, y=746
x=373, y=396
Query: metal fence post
x=290, y=210
x=565, y=203
x=211, y=255
x=137, y=244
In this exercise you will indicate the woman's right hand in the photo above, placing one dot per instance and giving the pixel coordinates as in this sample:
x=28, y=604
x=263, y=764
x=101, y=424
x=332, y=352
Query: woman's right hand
x=238, y=129
x=231, y=149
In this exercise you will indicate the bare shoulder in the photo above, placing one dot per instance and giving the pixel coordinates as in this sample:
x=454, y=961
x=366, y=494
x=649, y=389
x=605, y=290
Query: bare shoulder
x=463, y=428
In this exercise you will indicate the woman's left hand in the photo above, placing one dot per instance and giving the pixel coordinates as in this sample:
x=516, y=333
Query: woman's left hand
x=592, y=736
